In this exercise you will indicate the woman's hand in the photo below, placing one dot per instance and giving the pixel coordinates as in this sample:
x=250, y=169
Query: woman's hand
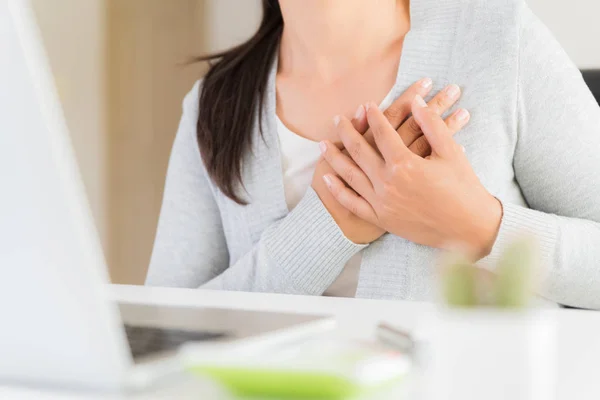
x=437, y=201
x=355, y=228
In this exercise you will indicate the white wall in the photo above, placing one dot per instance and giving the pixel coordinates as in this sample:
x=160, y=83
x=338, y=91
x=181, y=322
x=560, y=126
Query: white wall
x=74, y=35
x=575, y=23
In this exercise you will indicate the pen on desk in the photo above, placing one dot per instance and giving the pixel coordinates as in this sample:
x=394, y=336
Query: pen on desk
x=395, y=338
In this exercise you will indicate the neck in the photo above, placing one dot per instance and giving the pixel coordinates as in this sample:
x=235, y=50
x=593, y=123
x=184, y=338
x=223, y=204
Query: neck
x=330, y=37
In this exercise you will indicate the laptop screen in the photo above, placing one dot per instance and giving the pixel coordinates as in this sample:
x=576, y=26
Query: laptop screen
x=592, y=78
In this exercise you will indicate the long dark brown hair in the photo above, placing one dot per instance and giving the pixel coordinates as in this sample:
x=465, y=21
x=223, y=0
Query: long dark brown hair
x=232, y=92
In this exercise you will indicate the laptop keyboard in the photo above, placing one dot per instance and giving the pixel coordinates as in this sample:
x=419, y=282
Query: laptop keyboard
x=144, y=340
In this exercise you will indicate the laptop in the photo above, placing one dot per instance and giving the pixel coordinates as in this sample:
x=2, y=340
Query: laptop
x=57, y=324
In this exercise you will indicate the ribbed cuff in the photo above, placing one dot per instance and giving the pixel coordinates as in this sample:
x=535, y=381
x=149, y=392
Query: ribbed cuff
x=518, y=222
x=309, y=247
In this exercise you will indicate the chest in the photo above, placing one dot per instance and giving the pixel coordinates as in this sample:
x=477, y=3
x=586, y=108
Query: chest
x=393, y=267
x=307, y=106
x=278, y=169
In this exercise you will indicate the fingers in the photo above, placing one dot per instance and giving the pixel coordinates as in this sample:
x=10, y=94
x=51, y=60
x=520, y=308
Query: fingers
x=434, y=129
x=458, y=120
x=389, y=144
x=359, y=149
x=441, y=102
x=401, y=108
x=445, y=99
x=347, y=169
x=350, y=200
x=454, y=122
x=360, y=120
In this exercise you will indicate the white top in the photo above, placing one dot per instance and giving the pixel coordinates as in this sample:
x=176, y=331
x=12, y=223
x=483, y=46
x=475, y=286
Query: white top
x=299, y=158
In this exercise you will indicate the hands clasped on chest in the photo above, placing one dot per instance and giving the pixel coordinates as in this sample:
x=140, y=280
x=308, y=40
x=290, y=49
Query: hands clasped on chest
x=405, y=174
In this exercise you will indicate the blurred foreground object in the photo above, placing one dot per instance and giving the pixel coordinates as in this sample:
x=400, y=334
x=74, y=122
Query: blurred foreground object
x=487, y=329
x=511, y=286
x=320, y=368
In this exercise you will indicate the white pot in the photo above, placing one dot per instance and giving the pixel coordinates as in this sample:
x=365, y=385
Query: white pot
x=490, y=354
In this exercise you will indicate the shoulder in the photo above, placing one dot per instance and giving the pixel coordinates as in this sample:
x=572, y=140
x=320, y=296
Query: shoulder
x=187, y=132
x=185, y=146
x=500, y=30
x=191, y=100
x=465, y=11
x=496, y=10
x=471, y=22
x=497, y=15
x=513, y=17
x=507, y=28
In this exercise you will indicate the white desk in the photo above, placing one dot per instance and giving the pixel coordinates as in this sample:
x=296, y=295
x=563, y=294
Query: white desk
x=579, y=334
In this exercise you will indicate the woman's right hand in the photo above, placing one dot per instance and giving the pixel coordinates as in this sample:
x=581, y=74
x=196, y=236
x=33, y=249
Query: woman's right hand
x=354, y=228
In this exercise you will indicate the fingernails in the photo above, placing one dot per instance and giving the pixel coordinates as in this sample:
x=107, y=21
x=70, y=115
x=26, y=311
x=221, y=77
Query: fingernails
x=336, y=120
x=327, y=180
x=360, y=112
x=425, y=83
x=453, y=91
x=463, y=149
x=369, y=105
x=420, y=102
x=323, y=147
x=462, y=115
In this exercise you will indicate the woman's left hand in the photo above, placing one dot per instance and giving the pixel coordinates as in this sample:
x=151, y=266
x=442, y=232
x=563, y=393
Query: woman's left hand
x=437, y=201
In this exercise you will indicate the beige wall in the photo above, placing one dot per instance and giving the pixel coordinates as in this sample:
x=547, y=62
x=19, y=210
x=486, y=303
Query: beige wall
x=229, y=22
x=148, y=42
x=148, y=39
x=74, y=35
x=117, y=64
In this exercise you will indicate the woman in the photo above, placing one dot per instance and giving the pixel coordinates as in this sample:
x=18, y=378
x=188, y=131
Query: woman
x=250, y=205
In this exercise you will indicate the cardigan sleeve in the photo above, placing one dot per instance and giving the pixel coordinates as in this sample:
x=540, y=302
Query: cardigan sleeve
x=557, y=166
x=302, y=253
